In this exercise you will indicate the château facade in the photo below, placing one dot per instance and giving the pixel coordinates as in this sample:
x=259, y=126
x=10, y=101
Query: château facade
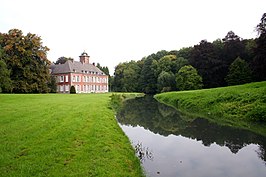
x=85, y=77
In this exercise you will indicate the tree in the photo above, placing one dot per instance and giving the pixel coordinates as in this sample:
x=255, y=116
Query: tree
x=148, y=80
x=25, y=57
x=5, y=81
x=72, y=90
x=261, y=27
x=239, y=73
x=166, y=81
x=52, y=84
x=62, y=60
x=205, y=58
x=170, y=63
x=259, y=61
x=103, y=68
x=188, y=79
x=127, y=76
x=233, y=47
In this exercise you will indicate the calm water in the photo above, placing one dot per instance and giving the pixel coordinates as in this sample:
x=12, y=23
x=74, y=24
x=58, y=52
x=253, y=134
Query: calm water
x=169, y=145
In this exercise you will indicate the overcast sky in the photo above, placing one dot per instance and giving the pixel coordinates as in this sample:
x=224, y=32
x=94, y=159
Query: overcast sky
x=114, y=31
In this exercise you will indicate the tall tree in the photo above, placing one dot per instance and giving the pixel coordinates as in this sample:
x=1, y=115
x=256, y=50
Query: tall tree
x=148, y=80
x=127, y=76
x=205, y=59
x=239, y=73
x=259, y=61
x=25, y=57
x=188, y=78
x=233, y=47
x=166, y=81
x=62, y=60
x=170, y=63
x=5, y=81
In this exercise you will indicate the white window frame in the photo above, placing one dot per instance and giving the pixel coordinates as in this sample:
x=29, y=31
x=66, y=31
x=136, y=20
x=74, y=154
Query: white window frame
x=61, y=78
x=61, y=87
x=66, y=88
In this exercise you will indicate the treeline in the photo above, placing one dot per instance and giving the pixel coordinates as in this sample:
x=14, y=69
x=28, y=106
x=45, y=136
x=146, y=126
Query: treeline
x=228, y=61
x=24, y=67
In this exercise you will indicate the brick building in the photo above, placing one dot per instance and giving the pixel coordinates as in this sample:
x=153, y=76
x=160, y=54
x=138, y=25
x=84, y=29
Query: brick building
x=85, y=77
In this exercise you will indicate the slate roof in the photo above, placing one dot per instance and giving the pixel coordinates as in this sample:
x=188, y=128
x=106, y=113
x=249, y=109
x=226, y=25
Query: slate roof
x=75, y=66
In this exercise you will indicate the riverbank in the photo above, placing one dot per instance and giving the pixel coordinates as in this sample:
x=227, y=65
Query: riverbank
x=63, y=135
x=242, y=106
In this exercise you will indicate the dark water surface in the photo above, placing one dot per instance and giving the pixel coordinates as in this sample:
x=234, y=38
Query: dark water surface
x=170, y=145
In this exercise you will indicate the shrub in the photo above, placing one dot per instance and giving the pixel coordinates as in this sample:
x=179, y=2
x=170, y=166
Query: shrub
x=72, y=90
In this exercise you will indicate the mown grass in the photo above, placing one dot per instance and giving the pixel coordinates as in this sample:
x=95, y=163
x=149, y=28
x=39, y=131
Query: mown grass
x=242, y=106
x=63, y=135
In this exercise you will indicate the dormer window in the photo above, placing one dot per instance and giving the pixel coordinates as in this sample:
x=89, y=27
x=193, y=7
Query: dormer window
x=74, y=70
x=82, y=71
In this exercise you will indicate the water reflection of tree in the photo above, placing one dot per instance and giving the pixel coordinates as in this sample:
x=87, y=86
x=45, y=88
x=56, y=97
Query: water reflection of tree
x=165, y=120
x=142, y=152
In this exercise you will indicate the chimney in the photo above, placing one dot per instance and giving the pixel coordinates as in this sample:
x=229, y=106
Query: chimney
x=84, y=58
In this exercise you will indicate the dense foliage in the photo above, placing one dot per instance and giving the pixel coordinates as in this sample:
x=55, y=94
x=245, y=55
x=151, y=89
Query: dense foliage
x=62, y=60
x=188, y=79
x=72, y=90
x=239, y=73
x=26, y=62
x=212, y=61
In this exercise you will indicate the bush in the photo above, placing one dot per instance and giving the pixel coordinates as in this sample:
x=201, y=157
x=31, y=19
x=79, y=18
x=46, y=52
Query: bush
x=72, y=90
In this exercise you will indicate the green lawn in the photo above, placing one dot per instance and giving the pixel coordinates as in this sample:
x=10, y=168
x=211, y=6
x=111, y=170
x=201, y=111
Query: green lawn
x=242, y=106
x=63, y=135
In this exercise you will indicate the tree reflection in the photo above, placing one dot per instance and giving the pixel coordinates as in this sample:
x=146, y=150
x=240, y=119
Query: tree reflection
x=143, y=153
x=165, y=120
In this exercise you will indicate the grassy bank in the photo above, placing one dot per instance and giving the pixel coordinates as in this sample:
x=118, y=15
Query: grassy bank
x=242, y=106
x=63, y=135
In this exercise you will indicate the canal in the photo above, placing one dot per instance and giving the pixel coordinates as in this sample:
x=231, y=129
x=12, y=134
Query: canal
x=169, y=144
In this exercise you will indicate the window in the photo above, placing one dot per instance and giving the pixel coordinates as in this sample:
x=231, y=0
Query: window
x=66, y=88
x=74, y=79
x=84, y=79
x=61, y=78
x=78, y=89
x=77, y=78
x=66, y=78
x=61, y=88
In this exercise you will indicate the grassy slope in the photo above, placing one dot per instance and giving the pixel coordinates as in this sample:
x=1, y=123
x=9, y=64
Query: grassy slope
x=240, y=106
x=63, y=135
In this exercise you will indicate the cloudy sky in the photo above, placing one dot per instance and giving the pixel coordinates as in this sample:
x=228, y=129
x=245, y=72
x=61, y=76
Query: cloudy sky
x=114, y=31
